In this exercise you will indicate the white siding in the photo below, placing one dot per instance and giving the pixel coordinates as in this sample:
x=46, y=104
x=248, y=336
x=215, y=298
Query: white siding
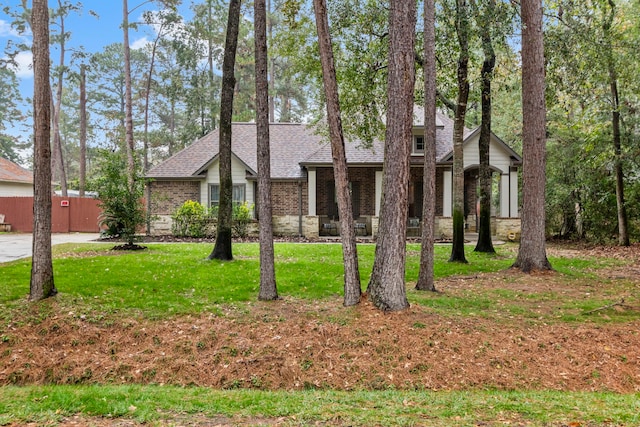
x=471, y=153
x=498, y=157
x=238, y=176
x=15, y=189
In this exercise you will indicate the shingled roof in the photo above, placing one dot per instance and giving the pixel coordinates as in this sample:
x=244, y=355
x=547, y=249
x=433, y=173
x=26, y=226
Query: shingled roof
x=11, y=172
x=290, y=144
x=292, y=147
x=359, y=153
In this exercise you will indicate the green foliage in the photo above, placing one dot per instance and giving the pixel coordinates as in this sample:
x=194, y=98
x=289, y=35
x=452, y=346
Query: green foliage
x=193, y=219
x=123, y=212
x=242, y=217
x=10, y=114
x=583, y=43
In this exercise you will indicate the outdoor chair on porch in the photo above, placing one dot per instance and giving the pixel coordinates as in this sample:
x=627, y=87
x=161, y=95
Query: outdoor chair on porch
x=413, y=227
x=330, y=229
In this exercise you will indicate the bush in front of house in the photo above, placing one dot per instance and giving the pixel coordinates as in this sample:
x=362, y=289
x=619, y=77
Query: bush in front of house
x=193, y=219
x=242, y=217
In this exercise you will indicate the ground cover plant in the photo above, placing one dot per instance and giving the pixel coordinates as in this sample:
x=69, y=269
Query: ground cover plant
x=129, y=331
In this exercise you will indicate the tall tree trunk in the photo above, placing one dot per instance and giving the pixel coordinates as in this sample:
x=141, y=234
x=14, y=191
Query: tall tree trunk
x=268, y=289
x=425, y=276
x=42, y=284
x=58, y=162
x=272, y=67
x=83, y=128
x=387, y=286
x=147, y=94
x=210, y=65
x=484, y=243
x=623, y=230
x=128, y=103
x=532, y=254
x=57, y=141
x=222, y=249
x=462, y=25
x=352, y=291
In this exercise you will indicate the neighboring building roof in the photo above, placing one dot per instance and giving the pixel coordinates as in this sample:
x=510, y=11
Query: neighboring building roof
x=11, y=172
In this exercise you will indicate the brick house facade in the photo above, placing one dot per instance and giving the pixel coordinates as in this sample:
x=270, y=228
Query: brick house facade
x=303, y=188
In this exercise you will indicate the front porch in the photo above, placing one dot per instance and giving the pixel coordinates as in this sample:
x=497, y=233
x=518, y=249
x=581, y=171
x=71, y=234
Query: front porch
x=322, y=218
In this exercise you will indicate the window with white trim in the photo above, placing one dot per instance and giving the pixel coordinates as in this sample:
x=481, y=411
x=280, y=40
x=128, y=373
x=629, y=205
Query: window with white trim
x=418, y=144
x=239, y=194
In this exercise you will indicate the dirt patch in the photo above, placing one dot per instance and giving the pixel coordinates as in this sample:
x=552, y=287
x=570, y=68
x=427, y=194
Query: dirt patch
x=293, y=344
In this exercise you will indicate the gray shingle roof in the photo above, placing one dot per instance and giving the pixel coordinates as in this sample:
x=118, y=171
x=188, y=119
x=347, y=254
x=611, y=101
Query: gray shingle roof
x=292, y=145
x=358, y=153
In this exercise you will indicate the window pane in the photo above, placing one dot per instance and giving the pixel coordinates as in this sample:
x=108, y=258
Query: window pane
x=214, y=190
x=238, y=193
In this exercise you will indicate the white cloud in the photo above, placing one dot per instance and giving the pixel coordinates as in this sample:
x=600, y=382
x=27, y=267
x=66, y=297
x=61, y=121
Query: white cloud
x=6, y=30
x=24, y=61
x=140, y=43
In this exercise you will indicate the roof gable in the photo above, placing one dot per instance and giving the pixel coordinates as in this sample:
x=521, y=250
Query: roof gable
x=11, y=172
x=290, y=143
x=494, y=139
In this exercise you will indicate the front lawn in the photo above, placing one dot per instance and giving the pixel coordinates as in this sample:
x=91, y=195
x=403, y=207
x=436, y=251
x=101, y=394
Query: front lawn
x=166, y=337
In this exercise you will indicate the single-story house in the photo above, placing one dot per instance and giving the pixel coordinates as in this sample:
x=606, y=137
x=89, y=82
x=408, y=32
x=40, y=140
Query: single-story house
x=303, y=189
x=15, y=181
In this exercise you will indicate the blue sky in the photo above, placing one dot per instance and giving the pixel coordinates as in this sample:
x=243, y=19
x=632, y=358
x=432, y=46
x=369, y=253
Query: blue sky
x=96, y=25
x=92, y=28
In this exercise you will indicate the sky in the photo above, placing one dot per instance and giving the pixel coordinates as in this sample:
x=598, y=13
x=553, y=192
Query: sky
x=95, y=25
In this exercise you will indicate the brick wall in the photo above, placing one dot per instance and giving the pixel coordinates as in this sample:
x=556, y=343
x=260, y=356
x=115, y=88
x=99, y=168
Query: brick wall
x=167, y=196
x=285, y=198
x=365, y=177
x=323, y=175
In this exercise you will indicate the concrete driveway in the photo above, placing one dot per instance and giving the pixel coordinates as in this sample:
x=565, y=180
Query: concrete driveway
x=18, y=245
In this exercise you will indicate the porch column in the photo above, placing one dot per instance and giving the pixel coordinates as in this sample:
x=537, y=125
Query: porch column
x=378, y=192
x=311, y=177
x=513, y=197
x=505, y=193
x=447, y=193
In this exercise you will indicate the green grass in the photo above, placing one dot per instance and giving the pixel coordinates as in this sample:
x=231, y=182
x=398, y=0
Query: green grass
x=176, y=279
x=152, y=404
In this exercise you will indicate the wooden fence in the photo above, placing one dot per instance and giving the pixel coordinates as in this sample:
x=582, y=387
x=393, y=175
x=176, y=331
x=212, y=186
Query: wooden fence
x=69, y=214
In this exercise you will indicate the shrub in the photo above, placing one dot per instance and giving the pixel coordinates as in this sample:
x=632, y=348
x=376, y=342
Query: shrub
x=242, y=217
x=123, y=212
x=192, y=219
